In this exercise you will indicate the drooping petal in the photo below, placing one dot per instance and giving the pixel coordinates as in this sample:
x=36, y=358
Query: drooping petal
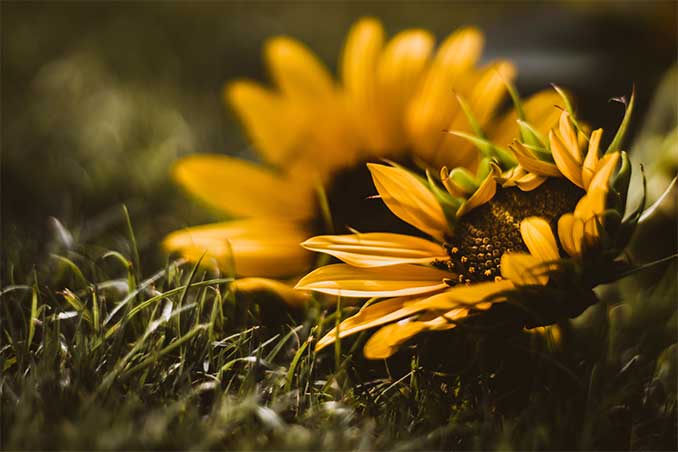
x=462, y=295
x=434, y=102
x=399, y=71
x=296, y=71
x=376, y=249
x=565, y=162
x=243, y=188
x=385, y=342
x=376, y=314
x=409, y=199
x=592, y=158
x=255, y=247
x=606, y=167
x=531, y=163
x=537, y=235
x=524, y=269
x=398, y=280
x=266, y=287
x=274, y=124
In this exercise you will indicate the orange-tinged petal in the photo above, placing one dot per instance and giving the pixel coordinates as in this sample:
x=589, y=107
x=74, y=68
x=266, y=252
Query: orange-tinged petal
x=399, y=71
x=434, y=102
x=359, y=71
x=409, y=199
x=398, y=280
x=566, y=225
x=255, y=247
x=565, y=162
x=484, y=193
x=592, y=158
x=524, y=269
x=296, y=71
x=389, y=338
x=274, y=125
x=531, y=163
x=537, y=235
x=243, y=188
x=606, y=167
x=568, y=135
x=371, y=316
x=377, y=249
x=462, y=295
x=253, y=287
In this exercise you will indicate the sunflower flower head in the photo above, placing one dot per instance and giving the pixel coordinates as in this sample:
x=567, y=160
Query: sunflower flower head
x=518, y=243
x=392, y=98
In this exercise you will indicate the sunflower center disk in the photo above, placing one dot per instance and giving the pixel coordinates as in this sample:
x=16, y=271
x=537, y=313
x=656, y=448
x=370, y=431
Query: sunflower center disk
x=483, y=235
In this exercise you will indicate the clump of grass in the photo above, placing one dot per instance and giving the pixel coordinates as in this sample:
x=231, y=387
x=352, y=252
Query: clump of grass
x=99, y=353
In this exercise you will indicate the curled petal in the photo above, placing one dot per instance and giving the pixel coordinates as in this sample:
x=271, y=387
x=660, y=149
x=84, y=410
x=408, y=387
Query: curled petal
x=565, y=162
x=531, y=163
x=592, y=158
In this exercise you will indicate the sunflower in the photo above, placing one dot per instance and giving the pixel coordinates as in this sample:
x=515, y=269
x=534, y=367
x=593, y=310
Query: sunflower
x=393, y=100
x=521, y=250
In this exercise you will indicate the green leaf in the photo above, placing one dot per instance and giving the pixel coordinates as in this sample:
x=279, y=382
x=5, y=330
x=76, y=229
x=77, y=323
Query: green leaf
x=621, y=132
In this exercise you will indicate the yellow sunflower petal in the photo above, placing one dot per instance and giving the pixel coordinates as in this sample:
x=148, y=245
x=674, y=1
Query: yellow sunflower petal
x=484, y=193
x=358, y=68
x=529, y=181
x=389, y=338
x=296, y=71
x=376, y=249
x=399, y=70
x=274, y=125
x=434, y=102
x=266, y=287
x=523, y=269
x=243, y=188
x=409, y=199
x=568, y=135
x=256, y=247
x=537, y=235
x=566, y=225
x=398, y=280
x=462, y=295
x=565, y=161
x=606, y=167
x=373, y=315
x=531, y=163
x=592, y=158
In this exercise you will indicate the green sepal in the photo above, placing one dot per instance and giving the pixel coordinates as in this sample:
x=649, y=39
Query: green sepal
x=530, y=136
x=620, y=183
x=464, y=180
x=489, y=149
x=621, y=132
x=473, y=122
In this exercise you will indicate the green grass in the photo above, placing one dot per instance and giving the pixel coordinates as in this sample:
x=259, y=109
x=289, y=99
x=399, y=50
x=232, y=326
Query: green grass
x=98, y=352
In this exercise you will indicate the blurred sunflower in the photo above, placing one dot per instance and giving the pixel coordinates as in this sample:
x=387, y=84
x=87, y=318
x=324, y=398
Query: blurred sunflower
x=394, y=100
x=515, y=248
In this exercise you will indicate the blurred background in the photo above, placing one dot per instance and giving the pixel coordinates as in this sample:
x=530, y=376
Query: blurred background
x=98, y=99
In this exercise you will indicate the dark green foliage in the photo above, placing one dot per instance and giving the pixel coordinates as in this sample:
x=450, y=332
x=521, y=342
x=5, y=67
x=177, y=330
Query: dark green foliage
x=97, y=354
